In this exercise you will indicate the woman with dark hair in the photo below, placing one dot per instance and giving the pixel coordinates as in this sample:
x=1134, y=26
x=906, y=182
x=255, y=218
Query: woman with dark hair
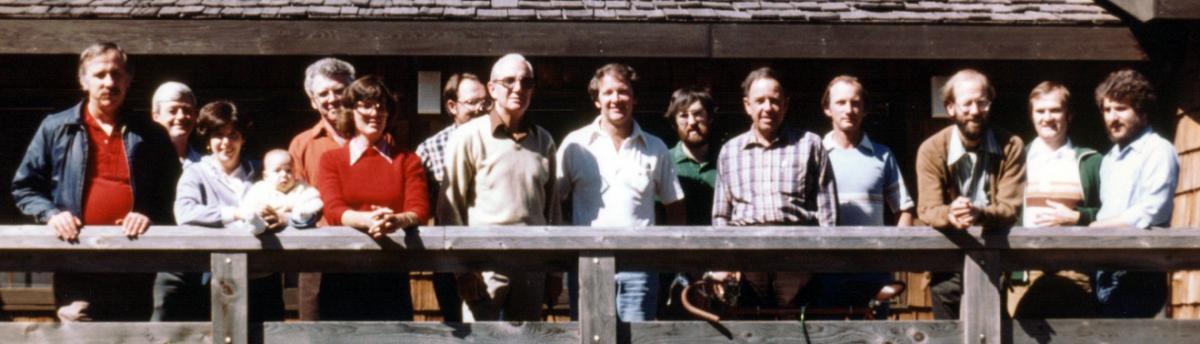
x=371, y=185
x=209, y=194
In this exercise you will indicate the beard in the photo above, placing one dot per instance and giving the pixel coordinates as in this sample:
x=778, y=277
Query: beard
x=972, y=130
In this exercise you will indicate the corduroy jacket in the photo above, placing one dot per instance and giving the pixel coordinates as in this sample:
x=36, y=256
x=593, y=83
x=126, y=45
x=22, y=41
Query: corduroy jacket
x=935, y=183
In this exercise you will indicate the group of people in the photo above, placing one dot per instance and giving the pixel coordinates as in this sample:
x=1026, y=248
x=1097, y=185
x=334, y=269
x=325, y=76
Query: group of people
x=96, y=164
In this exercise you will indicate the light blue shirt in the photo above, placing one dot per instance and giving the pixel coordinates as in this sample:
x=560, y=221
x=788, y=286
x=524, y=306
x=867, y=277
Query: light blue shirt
x=867, y=175
x=1137, y=182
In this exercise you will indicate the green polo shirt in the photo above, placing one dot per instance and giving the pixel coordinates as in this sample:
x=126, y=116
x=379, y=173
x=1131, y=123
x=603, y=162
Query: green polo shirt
x=697, y=180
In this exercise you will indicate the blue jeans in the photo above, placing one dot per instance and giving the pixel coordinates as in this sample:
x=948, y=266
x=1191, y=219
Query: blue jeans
x=637, y=295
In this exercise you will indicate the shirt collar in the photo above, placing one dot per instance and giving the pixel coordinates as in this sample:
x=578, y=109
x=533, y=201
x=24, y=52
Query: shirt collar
x=783, y=135
x=956, y=150
x=359, y=146
x=242, y=172
x=1039, y=147
x=864, y=144
x=323, y=128
x=498, y=125
x=636, y=136
x=1139, y=143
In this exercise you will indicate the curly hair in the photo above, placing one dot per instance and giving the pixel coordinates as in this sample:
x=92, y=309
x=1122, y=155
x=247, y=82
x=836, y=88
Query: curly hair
x=1129, y=87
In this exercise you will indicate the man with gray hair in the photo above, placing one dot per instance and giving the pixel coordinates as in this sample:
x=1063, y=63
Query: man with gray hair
x=500, y=171
x=324, y=81
x=95, y=165
x=174, y=108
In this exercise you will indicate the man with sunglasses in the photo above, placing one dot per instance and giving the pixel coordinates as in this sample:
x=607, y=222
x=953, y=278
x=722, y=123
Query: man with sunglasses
x=466, y=98
x=500, y=171
x=969, y=174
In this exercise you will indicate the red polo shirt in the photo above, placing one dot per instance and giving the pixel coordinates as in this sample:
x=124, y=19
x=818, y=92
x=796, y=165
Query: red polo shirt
x=107, y=194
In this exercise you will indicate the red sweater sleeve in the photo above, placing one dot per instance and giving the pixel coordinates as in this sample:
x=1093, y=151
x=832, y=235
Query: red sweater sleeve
x=416, y=196
x=330, y=185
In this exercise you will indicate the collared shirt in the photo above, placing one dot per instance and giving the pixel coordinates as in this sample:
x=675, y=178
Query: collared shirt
x=494, y=179
x=108, y=194
x=786, y=182
x=433, y=153
x=697, y=179
x=359, y=145
x=614, y=186
x=1137, y=182
x=1050, y=175
x=867, y=176
x=307, y=147
x=971, y=163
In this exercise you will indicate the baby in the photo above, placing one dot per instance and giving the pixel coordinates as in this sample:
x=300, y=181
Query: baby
x=279, y=200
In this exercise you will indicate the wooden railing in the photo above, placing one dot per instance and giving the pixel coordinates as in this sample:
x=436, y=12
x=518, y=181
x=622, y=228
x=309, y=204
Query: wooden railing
x=597, y=253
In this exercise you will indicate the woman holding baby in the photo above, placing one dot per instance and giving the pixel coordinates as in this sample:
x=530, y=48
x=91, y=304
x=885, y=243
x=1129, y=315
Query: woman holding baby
x=210, y=194
x=371, y=185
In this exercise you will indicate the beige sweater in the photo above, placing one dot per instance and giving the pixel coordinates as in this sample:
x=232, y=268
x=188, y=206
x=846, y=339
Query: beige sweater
x=492, y=179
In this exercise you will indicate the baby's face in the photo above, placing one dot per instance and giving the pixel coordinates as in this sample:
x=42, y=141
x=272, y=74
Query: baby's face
x=279, y=172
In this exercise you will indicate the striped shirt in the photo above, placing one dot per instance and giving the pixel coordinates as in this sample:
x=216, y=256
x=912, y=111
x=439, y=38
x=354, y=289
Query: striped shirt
x=867, y=177
x=786, y=182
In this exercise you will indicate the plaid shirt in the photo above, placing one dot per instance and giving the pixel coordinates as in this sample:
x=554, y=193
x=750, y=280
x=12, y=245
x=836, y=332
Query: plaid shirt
x=786, y=182
x=433, y=154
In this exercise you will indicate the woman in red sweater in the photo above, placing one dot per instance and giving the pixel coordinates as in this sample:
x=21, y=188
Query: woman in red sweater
x=373, y=186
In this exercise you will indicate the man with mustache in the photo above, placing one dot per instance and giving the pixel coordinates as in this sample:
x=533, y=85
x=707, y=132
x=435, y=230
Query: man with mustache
x=324, y=81
x=500, y=172
x=94, y=165
x=772, y=176
x=610, y=173
x=174, y=108
x=1137, y=188
x=969, y=174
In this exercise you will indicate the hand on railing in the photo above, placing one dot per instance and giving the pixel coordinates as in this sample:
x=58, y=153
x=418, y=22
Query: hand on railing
x=135, y=224
x=65, y=226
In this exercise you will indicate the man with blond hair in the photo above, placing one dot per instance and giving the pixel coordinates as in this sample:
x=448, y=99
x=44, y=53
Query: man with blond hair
x=174, y=108
x=968, y=174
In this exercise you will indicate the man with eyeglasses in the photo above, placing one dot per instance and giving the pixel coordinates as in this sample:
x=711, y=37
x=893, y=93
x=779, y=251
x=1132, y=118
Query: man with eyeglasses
x=967, y=174
x=499, y=172
x=466, y=98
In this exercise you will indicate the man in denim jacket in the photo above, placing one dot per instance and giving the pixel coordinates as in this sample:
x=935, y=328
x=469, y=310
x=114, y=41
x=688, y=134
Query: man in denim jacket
x=93, y=165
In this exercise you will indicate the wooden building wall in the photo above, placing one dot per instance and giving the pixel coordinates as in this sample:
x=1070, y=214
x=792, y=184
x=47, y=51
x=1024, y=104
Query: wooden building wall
x=1185, y=285
x=270, y=90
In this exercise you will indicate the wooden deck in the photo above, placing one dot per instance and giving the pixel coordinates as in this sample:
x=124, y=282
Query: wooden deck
x=596, y=253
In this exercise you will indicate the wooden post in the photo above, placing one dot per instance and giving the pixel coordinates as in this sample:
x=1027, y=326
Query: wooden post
x=982, y=307
x=230, y=302
x=597, y=298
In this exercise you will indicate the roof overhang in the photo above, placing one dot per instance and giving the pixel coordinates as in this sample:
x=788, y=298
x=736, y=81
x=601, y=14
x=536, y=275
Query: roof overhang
x=1147, y=10
x=576, y=39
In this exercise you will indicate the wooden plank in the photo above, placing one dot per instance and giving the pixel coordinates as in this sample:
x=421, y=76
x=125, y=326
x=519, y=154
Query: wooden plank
x=793, y=260
x=597, y=298
x=27, y=299
x=1177, y=9
x=942, y=42
x=230, y=298
x=317, y=37
x=99, y=332
x=578, y=39
x=103, y=261
x=1158, y=331
x=411, y=332
x=896, y=332
x=982, y=307
x=1162, y=260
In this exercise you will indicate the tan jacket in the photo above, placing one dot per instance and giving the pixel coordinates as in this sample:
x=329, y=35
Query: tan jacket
x=935, y=183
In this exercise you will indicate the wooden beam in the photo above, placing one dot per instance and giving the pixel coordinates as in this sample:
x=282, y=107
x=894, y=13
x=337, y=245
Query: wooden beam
x=100, y=332
x=597, y=298
x=578, y=39
x=1158, y=331
x=27, y=299
x=412, y=332
x=665, y=332
x=982, y=308
x=230, y=299
x=941, y=42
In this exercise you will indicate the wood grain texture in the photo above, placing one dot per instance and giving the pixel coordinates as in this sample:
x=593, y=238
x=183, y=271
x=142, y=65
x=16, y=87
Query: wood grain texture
x=1158, y=331
x=597, y=298
x=132, y=333
x=895, y=332
x=410, y=332
x=577, y=39
x=230, y=298
x=950, y=42
x=982, y=308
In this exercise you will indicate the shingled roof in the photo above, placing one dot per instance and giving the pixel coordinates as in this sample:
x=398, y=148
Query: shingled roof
x=1018, y=12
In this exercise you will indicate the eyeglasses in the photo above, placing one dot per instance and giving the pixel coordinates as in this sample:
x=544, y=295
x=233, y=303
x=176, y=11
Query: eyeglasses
x=510, y=82
x=474, y=103
x=982, y=104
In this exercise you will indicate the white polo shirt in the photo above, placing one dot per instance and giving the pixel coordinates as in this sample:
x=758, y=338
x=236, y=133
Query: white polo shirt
x=611, y=186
